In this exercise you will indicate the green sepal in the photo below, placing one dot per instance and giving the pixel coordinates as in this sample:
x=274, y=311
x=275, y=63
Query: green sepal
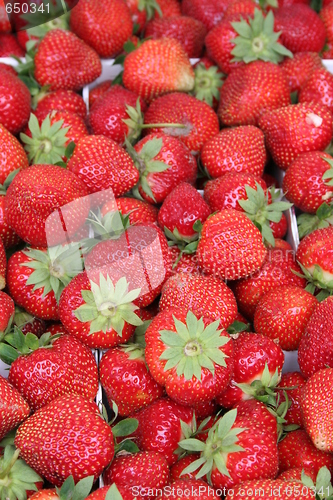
x=151, y=7
x=316, y=282
x=262, y=389
x=207, y=83
x=71, y=491
x=307, y=223
x=8, y=181
x=16, y=343
x=113, y=493
x=125, y=427
x=238, y=327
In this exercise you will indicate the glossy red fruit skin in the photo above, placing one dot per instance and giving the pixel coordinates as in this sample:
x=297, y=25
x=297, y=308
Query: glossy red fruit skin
x=177, y=469
x=318, y=88
x=293, y=379
x=127, y=381
x=326, y=15
x=159, y=427
x=240, y=149
x=139, y=211
x=64, y=100
x=205, y=295
x=16, y=102
x=14, y=409
x=209, y=12
x=196, y=489
x=299, y=68
x=98, y=91
x=12, y=154
x=100, y=28
x=297, y=450
x=7, y=307
x=188, y=263
x=296, y=474
x=243, y=101
x=252, y=352
x=169, y=8
x=9, y=46
x=3, y=265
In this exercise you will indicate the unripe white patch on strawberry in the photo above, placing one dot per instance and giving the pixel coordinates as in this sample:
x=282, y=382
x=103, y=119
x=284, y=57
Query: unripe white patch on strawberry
x=313, y=119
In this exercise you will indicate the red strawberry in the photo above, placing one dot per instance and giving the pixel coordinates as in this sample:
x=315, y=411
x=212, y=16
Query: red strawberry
x=4, y=19
x=283, y=313
x=14, y=409
x=250, y=91
x=297, y=450
x=166, y=69
x=244, y=7
x=28, y=323
x=326, y=15
x=230, y=246
x=189, y=32
x=37, y=192
x=9, y=46
x=13, y=156
x=3, y=265
x=7, y=235
x=160, y=427
x=199, y=121
x=315, y=350
x=208, y=12
x=292, y=130
x=102, y=164
x=318, y=88
x=98, y=91
x=292, y=379
x=256, y=358
x=302, y=29
x=15, y=115
x=281, y=489
x=64, y=100
x=65, y=62
x=7, y=308
x=189, y=489
x=143, y=11
x=205, y=295
x=100, y=28
x=183, y=262
x=299, y=68
x=51, y=427
x=296, y=474
x=138, y=211
x=240, y=149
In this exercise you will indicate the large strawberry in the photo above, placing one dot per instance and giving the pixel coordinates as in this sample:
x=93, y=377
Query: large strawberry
x=15, y=114
x=299, y=68
x=63, y=61
x=100, y=28
x=63, y=100
x=14, y=409
x=50, y=428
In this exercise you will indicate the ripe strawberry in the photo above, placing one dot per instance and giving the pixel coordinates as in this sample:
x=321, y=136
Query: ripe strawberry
x=283, y=313
x=301, y=27
x=271, y=488
x=100, y=28
x=277, y=270
x=318, y=88
x=4, y=19
x=230, y=246
x=64, y=100
x=199, y=121
x=51, y=427
x=183, y=262
x=244, y=7
x=80, y=491
x=292, y=130
x=292, y=379
x=326, y=15
x=102, y=164
x=14, y=409
x=240, y=149
x=189, y=489
x=240, y=446
x=181, y=209
x=189, y=32
x=98, y=91
x=13, y=156
x=7, y=235
x=208, y=12
x=138, y=211
x=108, y=113
x=297, y=450
x=7, y=308
x=28, y=323
x=176, y=471
x=250, y=91
x=9, y=46
x=63, y=61
x=37, y=192
x=143, y=11
x=296, y=474
x=3, y=265
x=256, y=359
x=315, y=350
x=15, y=115
x=160, y=427
x=298, y=69
x=204, y=295
x=304, y=184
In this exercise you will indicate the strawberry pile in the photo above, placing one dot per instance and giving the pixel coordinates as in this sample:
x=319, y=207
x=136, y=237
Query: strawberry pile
x=152, y=286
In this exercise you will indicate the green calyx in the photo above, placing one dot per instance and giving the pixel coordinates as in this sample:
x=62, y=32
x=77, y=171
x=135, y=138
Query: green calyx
x=16, y=477
x=16, y=344
x=71, y=491
x=135, y=348
x=307, y=223
x=54, y=268
x=108, y=227
x=151, y=7
x=323, y=488
x=123, y=429
x=222, y=439
x=193, y=347
x=263, y=388
x=48, y=142
x=261, y=212
x=207, y=83
x=187, y=245
x=238, y=327
x=113, y=493
x=316, y=280
x=107, y=306
x=257, y=40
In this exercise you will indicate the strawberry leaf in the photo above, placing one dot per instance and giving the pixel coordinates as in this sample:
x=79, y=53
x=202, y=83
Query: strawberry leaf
x=125, y=427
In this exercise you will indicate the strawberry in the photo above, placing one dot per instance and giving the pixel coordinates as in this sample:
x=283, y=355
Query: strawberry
x=98, y=91
x=3, y=265
x=174, y=339
x=299, y=68
x=326, y=15
x=4, y=19
x=138, y=211
x=12, y=154
x=240, y=149
x=283, y=313
x=230, y=257
x=102, y=164
x=301, y=27
x=14, y=409
x=100, y=28
x=164, y=56
x=277, y=270
x=240, y=446
x=208, y=12
x=63, y=61
x=272, y=488
x=50, y=428
x=145, y=469
x=63, y=100
x=189, y=489
x=176, y=471
x=7, y=308
x=297, y=450
x=315, y=350
x=69, y=489
x=197, y=118
x=258, y=361
x=28, y=323
x=318, y=88
x=143, y=11
x=304, y=183
x=9, y=46
x=184, y=262
x=160, y=427
x=296, y=474
x=205, y=295
x=244, y=99
x=296, y=380
x=7, y=235
x=108, y=113
x=34, y=194
x=15, y=115
x=189, y=32
x=244, y=7
x=295, y=129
